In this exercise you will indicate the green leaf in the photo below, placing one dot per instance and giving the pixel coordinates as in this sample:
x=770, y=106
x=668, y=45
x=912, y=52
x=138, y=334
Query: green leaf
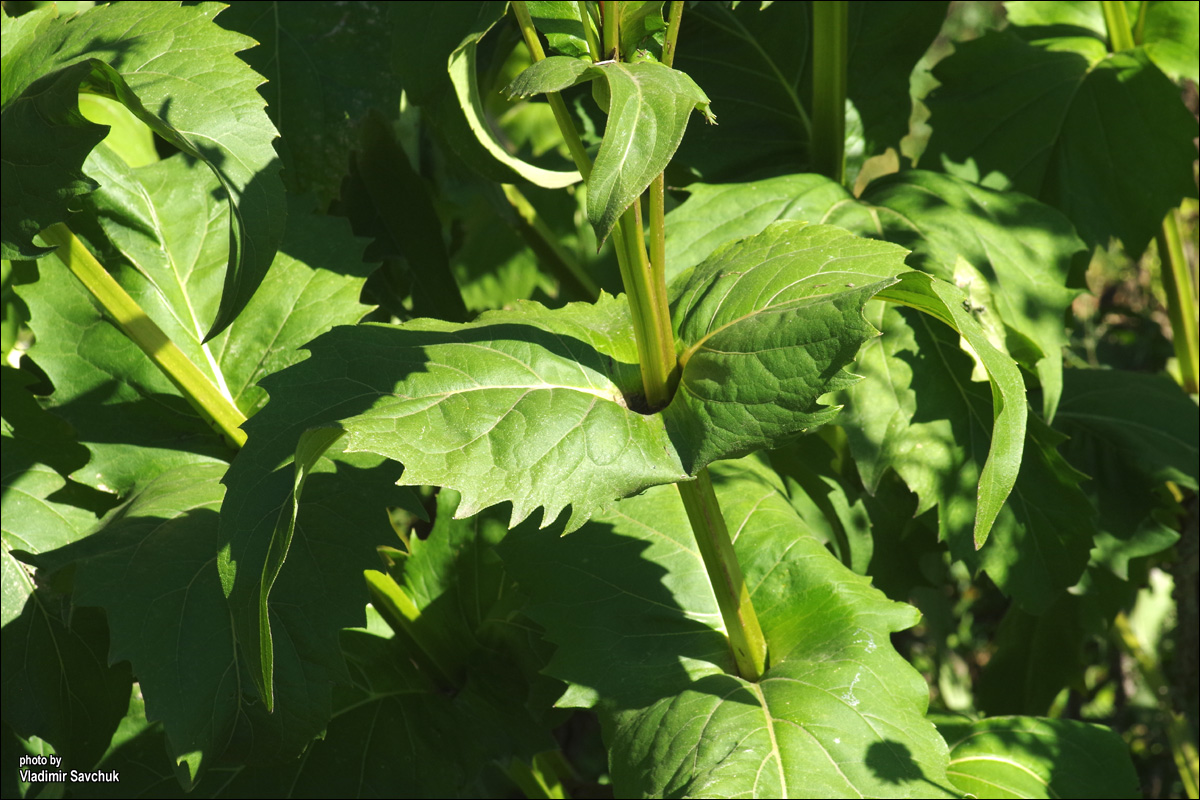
x=648, y=110
x=764, y=328
x=150, y=215
x=559, y=21
x=1040, y=538
x=947, y=303
x=714, y=214
x=1147, y=421
x=58, y=684
x=104, y=382
x=1006, y=757
x=179, y=643
x=178, y=73
x=1022, y=249
x=1171, y=39
x=49, y=111
x=838, y=712
x=528, y=405
x=447, y=88
x=314, y=58
x=1047, y=120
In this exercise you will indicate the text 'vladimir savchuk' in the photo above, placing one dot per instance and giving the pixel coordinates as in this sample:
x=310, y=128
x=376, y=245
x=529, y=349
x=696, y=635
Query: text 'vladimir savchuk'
x=52, y=774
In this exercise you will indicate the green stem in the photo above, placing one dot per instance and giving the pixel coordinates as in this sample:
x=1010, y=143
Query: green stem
x=725, y=574
x=1181, y=302
x=644, y=280
x=561, y=115
x=589, y=31
x=830, y=22
x=213, y=406
x=610, y=17
x=1120, y=35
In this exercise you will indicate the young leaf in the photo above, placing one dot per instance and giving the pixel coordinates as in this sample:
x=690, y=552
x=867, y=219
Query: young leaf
x=648, y=110
x=560, y=22
x=1037, y=757
x=177, y=71
x=764, y=328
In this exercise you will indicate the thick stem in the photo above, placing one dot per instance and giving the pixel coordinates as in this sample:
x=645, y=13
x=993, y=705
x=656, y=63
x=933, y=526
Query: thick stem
x=1120, y=34
x=213, y=406
x=725, y=574
x=1181, y=302
x=830, y=21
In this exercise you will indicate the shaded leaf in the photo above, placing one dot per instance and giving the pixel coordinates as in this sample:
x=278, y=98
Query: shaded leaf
x=179, y=642
x=559, y=21
x=1038, y=757
x=314, y=58
x=1022, y=249
x=838, y=712
x=178, y=73
x=1046, y=120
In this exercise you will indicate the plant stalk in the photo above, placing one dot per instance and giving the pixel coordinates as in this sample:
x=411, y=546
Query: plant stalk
x=830, y=23
x=213, y=406
x=1181, y=301
x=725, y=574
x=644, y=280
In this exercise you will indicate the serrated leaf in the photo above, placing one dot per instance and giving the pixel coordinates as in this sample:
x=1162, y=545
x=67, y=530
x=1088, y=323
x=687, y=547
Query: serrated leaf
x=526, y=405
x=1024, y=250
x=838, y=712
x=1037, y=757
x=648, y=110
x=150, y=216
x=1048, y=122
x=179, y=643
x=195, y=90
x=314, y=58
x=764, y=327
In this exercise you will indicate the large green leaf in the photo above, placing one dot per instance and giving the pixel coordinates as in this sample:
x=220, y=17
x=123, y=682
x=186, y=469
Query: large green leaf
x=103, y=383
x=314, y=58
x=838, y=712
x=1034, y=757
x=648, y=109
x=529, y=406
x=764, y=327
x=1167, y=30
x=1048, y=118
x=178, y=72
x=179, y=642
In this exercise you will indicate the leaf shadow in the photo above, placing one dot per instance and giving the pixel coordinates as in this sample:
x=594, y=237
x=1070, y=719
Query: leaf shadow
x=892, y=762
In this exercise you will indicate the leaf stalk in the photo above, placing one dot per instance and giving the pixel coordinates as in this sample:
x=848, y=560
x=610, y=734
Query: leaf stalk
x=215, y=408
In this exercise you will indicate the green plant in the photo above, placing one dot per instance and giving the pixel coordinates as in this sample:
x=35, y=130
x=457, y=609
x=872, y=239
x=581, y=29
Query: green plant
x=727, y=554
